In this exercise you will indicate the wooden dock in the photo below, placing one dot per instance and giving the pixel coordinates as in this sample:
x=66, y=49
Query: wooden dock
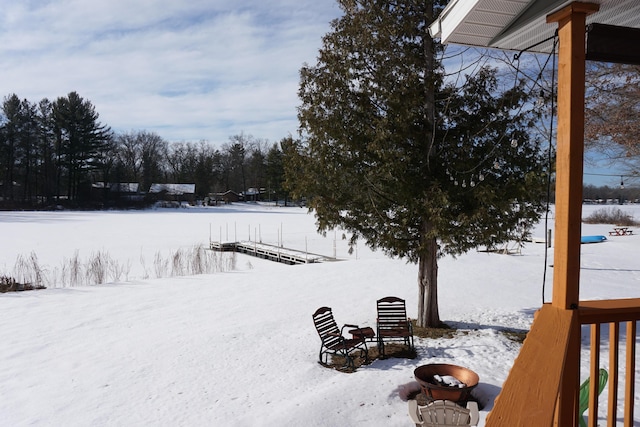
x=270, y=252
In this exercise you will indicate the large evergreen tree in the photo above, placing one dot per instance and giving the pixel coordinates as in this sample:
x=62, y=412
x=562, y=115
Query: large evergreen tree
x=18, y=149
x=235, y=162
x=400, y=158
x=82, y=141
x=10, y=136
x=275, y=174
x=46, y=174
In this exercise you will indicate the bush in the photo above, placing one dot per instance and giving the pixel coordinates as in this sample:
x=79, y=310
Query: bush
x=611, y=216
x=9, y=284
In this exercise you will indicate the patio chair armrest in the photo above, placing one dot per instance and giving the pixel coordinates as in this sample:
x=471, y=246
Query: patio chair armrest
x=410, y=323
x=414, y=413
x=474, y=414
x=349, y=325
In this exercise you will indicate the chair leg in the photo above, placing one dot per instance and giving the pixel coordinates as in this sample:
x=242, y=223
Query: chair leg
x=348, y=361
x=381, y=348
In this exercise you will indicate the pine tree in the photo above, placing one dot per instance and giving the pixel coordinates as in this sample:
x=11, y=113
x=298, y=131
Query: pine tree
x=275, y=174
x=46, y=174
x=82, y=141
x=9, y=142
x=18, y=149
x=398, y=157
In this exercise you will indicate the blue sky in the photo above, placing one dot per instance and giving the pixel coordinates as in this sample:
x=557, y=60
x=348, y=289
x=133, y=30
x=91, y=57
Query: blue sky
x=187, y=70
x=599, y=171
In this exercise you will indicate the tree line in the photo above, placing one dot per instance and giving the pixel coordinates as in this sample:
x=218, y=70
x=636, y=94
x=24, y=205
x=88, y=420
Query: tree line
x=608, y=194
x=54, y=151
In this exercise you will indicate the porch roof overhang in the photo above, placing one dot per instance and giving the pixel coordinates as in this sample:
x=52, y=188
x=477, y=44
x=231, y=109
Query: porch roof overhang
x=519, y=24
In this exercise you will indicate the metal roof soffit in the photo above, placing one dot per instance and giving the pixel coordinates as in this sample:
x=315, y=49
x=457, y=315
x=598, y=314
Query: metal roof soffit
x=537, y=9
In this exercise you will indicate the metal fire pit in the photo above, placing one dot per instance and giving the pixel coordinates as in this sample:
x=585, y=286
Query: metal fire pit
x=432, y=389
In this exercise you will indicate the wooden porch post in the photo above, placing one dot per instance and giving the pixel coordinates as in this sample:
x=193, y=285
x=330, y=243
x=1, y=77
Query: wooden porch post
x=569, y=168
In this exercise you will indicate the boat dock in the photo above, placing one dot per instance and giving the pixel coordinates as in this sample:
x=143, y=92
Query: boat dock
x=270, y=252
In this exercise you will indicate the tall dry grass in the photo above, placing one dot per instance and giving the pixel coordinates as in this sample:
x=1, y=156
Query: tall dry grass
x=100, y=268
x=27, y=270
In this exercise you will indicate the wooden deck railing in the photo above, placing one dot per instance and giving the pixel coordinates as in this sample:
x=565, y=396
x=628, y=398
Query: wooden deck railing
x=614, y=313
x=530, y=395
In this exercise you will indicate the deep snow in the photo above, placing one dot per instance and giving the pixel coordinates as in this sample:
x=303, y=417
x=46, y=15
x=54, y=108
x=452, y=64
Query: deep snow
x=238, y=348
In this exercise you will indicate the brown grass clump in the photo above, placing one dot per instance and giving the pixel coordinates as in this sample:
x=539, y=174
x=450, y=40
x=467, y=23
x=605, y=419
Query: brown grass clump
x=443, y=331
x=9, y=284
x=515, y=335
x=613, y=216
x=392, y=350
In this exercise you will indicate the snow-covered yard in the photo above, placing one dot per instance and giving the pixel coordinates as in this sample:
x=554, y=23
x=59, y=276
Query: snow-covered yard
x=238, y=347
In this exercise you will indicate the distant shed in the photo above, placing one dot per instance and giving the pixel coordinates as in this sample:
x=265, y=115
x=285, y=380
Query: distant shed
x=226, y=197
x=101, y=191
x=125, y=187
x=173, y=192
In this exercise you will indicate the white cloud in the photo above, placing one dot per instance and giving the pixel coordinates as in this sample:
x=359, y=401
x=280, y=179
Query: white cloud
x=197, y=70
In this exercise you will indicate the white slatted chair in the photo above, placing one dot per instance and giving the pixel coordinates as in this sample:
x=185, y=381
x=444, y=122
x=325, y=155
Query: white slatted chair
x=444, y=413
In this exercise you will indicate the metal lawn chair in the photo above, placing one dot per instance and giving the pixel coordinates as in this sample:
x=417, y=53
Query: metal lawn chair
x=332, y=340
x=392, y=323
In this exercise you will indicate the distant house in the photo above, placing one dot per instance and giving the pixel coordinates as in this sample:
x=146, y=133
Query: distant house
x=173, y=192
x=126, y=191
x=126, y=188
x=101, y=191
x=226, y=197
x=253, y=194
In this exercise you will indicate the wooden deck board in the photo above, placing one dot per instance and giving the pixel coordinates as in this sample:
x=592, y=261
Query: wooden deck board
x=546, y=352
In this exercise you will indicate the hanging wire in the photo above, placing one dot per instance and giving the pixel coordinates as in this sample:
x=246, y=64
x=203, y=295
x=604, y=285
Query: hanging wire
x=552, y=55
x=632, y=175
x=496, y=146
x=550, y=161
x=554, y=37
x=518, y=71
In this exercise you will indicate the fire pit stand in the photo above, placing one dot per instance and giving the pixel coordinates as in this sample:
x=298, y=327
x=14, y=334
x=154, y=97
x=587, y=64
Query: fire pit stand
x=426, y=376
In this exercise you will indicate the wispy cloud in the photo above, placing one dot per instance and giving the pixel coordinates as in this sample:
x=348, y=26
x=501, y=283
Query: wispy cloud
x=186, y=70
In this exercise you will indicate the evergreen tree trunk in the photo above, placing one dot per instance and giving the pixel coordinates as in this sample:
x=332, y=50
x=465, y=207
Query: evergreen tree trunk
x=58, y=165
x=428, y=314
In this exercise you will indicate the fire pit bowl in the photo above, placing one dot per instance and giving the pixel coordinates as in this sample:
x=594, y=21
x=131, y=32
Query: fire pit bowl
x=437, y=391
